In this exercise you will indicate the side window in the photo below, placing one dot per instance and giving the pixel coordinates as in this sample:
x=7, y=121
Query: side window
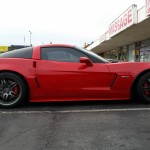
x=63, y=54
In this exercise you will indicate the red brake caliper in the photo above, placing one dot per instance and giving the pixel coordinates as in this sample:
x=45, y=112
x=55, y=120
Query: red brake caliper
x=16, y=90
x=146, y=91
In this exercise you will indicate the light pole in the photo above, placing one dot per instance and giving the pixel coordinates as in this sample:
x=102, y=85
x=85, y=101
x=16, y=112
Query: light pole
x=30, y=37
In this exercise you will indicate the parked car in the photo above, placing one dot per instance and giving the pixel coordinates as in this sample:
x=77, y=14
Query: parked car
x=58, y=72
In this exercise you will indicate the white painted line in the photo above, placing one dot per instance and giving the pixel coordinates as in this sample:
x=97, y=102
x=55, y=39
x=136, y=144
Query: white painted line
x=75, y=111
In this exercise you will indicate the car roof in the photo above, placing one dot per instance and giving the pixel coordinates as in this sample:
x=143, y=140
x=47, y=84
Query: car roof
x=56, y=45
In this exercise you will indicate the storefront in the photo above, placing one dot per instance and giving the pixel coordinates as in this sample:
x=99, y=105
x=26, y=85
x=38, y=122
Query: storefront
x=127, y=37
x=137, y=52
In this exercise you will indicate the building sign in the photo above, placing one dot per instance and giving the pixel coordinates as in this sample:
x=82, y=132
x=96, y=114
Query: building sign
x=3, y=48
x=148, y=7
x=125, y=20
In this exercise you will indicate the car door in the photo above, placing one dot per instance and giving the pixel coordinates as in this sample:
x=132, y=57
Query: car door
x=61, y=75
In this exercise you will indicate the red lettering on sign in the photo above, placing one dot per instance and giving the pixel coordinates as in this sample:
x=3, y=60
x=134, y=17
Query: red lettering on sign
x=124, y=21
x=110, y=30
x=129, y=16
x=115, y=26
x=121, y=23
x=148, y=7
x=148, y=3
x=118, y=22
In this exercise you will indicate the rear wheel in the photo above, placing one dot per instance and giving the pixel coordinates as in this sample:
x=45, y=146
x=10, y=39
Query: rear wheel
x=143, y=88
x=13, y=90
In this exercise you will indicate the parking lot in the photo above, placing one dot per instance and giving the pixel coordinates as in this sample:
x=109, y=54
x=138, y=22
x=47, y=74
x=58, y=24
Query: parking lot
x=102, y=125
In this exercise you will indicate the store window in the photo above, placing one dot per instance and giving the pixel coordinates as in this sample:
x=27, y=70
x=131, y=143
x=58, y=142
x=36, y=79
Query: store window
x=145, y=51
x=118, y=54
x=123, y=53
x=137, y=51
x=111, y=54
x=145, y=54
x=132, y=52
x=137, y=55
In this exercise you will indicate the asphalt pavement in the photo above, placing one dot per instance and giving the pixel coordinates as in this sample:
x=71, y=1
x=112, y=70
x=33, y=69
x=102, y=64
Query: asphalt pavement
x=117, y=125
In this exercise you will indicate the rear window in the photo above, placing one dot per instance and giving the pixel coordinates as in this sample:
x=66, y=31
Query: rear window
x=19, y=53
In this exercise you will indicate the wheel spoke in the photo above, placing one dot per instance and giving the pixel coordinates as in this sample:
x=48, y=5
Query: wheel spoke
x=12, y=94
x=12, y=85
x=3, y=82
x=5, y=96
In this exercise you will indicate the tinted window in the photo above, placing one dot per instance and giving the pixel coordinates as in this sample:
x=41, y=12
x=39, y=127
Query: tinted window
x=64, y=54
x=19, y=53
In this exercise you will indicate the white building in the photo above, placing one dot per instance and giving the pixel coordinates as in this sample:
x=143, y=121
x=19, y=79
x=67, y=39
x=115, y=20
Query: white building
x=128, y=37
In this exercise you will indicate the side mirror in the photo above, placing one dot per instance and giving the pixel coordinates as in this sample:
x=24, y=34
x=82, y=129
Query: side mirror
x=86, y=60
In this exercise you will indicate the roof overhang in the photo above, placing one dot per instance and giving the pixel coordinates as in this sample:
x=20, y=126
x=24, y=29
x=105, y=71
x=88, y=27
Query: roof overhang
x=138, y=32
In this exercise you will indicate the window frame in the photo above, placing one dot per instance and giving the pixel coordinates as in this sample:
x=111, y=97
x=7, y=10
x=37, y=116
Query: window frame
x=74, y=49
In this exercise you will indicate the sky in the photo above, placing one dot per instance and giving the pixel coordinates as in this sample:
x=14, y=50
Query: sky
x=58, y=21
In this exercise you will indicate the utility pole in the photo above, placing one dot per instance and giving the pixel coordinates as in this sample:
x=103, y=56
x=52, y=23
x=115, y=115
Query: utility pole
x=24, y=41
x=30, y=37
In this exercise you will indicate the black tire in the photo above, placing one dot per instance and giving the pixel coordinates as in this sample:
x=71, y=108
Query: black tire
x=143, y=88
x=13, y=90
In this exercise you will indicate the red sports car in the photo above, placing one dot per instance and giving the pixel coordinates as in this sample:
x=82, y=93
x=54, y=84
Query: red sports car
x=59, y=72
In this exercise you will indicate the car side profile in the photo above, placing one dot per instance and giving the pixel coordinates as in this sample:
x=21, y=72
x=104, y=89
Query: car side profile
x=59, y=72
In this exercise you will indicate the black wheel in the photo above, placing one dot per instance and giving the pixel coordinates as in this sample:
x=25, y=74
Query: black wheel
x=13, y=90
x=143, y=88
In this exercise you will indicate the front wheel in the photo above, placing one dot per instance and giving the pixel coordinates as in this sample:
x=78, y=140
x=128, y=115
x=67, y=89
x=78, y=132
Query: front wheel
x=13, y=90
x=143, y=88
